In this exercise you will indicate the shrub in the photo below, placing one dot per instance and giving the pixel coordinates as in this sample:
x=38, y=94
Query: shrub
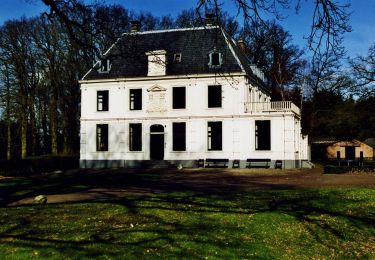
x=349, y=169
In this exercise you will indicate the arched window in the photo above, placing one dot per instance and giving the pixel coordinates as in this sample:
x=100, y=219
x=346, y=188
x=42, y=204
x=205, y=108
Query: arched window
x=157, y=129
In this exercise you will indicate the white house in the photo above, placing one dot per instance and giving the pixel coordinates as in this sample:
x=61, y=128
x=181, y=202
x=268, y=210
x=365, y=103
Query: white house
x=183, y=96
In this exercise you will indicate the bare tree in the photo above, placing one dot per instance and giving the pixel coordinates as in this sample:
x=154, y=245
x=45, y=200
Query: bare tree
x=78, y=21
x=15, y=44
x=166, y=22
x=189, y=18
x=364, y=72
x=5, y=101
x=270, y=47
x=330, y=18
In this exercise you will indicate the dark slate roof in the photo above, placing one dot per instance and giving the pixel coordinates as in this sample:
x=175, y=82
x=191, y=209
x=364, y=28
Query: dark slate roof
x=370, y=142
x=324, y=141
x=129, y=59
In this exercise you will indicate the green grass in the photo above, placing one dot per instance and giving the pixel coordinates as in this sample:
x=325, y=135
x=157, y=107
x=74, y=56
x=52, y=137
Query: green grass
x=314, y=223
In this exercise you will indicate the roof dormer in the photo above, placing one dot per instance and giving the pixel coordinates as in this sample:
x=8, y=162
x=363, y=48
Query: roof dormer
x=103, y=65
x=156, y=63
x=215, y=59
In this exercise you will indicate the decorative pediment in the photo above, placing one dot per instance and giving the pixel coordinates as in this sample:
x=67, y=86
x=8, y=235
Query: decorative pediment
x=156, y=88
x=156, y=99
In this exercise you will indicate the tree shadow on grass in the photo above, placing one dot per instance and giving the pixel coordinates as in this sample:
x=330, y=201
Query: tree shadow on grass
x=178, y=216
x=132, y=180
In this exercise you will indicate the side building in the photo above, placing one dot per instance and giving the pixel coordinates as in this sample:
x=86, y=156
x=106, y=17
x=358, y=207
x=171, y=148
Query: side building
x=180, y=96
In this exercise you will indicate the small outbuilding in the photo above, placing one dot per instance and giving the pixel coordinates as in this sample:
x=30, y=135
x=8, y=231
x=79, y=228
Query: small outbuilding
x=371, y=142
x=349, y=150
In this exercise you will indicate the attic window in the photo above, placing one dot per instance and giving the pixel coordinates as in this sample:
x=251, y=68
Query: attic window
x=215, y=59
x=105, y=66
x=177, y=57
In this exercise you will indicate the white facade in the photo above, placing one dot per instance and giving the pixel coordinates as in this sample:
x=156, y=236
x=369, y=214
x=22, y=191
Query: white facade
x=242, y=104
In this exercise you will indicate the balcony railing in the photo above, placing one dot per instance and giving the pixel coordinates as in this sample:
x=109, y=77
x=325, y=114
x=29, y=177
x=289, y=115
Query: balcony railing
x=275, y=106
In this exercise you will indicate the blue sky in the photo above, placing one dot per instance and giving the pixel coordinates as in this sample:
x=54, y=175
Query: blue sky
x=356, y=42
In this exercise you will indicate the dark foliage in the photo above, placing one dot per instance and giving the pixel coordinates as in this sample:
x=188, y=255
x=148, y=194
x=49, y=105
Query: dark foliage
x=40, y=164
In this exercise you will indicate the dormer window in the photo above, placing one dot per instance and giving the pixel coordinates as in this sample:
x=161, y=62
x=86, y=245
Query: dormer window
x=177, y=57
x=156, y=63
x=105, y=66
x=215, y=59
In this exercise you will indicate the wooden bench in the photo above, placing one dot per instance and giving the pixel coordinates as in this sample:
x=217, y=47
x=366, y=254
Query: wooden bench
x=216, y=163
x=258, y=163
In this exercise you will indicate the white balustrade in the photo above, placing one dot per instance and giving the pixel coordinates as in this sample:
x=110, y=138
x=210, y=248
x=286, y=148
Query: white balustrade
x=273, y=106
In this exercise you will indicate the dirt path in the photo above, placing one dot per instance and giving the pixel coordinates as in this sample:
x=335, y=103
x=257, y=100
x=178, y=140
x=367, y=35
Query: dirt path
x=84, y=185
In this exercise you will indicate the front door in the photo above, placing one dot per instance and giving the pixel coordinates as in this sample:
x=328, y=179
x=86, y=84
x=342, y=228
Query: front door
x=156, y=142
x=349, y=152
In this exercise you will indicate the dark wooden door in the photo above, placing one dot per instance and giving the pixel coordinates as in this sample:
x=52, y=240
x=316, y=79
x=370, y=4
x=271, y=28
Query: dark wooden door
x=157, y=147
x=157, y=142
x=349, y=152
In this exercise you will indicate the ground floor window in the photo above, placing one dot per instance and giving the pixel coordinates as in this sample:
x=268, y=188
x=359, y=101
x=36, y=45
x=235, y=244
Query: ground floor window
x=214, y=136
x=179, y=136
x=135, y=137
x=102, y=137
x=262, y=135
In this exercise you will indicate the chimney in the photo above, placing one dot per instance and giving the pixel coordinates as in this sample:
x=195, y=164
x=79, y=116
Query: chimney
x=241, y=44
x=209, y=19
x=135, y=26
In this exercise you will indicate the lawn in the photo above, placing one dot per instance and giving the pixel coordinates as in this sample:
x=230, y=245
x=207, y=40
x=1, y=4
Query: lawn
x=264, y=224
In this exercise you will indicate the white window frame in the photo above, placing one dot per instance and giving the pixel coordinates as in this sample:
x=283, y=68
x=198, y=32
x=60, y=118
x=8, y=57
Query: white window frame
x=214, y=66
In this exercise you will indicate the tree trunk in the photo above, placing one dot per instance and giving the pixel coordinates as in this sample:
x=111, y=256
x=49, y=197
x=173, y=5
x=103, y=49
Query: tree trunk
x=32, y=124
x=9, y=141
x=45, y=141
x=53, y=120
x=23, y=136
x=23, y=118
x=9, y=126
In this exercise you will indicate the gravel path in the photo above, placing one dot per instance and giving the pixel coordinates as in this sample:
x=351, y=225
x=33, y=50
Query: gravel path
x=85, y=185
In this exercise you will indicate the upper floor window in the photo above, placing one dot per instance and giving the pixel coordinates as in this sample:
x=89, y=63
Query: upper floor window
x=102, y=100
x=214, y=96
x=262, y=135
x=215, y=59
x=135, y=99
x=102, y=137
x=179, y=97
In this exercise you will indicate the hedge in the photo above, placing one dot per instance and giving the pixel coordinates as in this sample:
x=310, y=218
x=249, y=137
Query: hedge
x=32, y=165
